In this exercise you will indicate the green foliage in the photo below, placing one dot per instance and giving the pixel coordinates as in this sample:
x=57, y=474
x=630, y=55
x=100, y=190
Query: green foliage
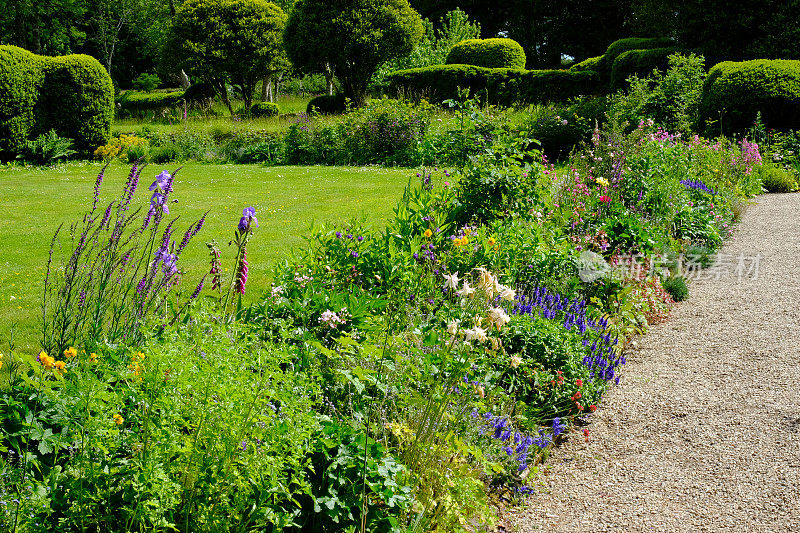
x=777, y=179
x=264, y=109
x=499, y=86
x=140, y=104
x=352, y=37
x=558, y=130
x=676, y=287
x=593, y=63
x=489, y=53
x=671, y=99
x=455, y=26
x=327, y=104
x=72, y=95
x=201, y=42
x=640, y=63
x=735, y=92
x=146, y=82
x=47, y=148
x=621, y=46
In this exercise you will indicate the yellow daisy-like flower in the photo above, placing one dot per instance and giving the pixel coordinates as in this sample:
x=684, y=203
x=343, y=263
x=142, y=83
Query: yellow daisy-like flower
x=46, y=360
x=428, y=233
x=92, y=357
x=491, y=241
x=70, y=352
x=464, y=240
x=59, y=367
x=118, y=419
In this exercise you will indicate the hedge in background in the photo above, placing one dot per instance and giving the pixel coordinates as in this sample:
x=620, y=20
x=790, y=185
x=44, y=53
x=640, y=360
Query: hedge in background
x=617, y=48
x=264, y=109
x=587, y=64
x=735, y=92
x=327, y=104
x=640, y=63
x=501, y=86
x=71, y=94
x=488, y=53
x=137, y=104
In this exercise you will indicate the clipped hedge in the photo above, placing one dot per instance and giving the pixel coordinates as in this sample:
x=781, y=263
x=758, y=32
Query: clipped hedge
x=640, y=63
x=72, y=95
x=137, y=104
x=501, y=86
x=488, y=53
x=587, y=64
x=264, y=109
x=327, y=104
x=617, y=48
x=734, y=92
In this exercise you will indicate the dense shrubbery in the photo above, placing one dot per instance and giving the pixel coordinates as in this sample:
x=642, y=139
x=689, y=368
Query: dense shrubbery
x=591, y=63
x=499, y=86
x=639, y=63
x=139, y=104
x=621, y=46
x=72, y=95
x=488, y=53
x=327, y=104
x=264, y=109
x=735, y=92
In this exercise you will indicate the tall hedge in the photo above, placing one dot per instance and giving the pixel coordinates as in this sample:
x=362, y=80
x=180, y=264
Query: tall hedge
x=617, y=48
x=501, y=85
x=734, y=92
x=488, y=53
x=71, y=94
x=640, y=63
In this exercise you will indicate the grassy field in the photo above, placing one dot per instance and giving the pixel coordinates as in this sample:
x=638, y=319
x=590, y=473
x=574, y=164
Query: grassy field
x=34, y=201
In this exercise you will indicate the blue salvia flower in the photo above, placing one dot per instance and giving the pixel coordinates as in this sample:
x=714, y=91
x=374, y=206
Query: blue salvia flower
x=697, y=185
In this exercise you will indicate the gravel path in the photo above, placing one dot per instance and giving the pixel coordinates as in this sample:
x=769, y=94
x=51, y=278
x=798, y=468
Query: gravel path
x=703, y=432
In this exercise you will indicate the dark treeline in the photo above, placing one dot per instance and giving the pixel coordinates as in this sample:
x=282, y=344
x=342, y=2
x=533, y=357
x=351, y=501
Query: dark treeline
x=127, y=36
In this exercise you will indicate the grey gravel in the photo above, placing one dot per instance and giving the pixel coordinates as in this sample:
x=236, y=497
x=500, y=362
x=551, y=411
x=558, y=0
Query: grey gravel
x=702, y=432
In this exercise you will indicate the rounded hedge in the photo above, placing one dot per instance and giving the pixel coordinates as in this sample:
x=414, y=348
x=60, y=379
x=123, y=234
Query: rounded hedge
x=199, y=92
x=488, y=53
x=587, y=64
x=640, y=63
x=138, y=104
x=327, y=104
x=264, y=109
x=72, y=95
x=734, y=92
x=617, y=48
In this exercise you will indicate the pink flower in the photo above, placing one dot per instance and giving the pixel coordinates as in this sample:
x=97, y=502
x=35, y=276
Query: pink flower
x=605, y=198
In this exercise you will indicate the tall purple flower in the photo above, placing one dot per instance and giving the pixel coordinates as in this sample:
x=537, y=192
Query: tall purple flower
x=247, y=220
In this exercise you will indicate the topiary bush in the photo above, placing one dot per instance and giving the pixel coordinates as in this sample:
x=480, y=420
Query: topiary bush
x=499, y=85
x=327, y=104
x=138, y=104
x=735, y=92
x=619, y=47
x=72, y=95
x=640, y=63
x=587, y=64
x=264, y=109
x=488, y=53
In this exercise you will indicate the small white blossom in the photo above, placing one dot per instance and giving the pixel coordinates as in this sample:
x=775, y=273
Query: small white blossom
x=466, y=291
x=497, y=317
x=475, y=333
x=451, y=281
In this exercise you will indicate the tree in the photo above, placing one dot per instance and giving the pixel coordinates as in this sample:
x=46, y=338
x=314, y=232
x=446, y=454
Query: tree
x=236, y=42
x=352, y=37
x=46, y=28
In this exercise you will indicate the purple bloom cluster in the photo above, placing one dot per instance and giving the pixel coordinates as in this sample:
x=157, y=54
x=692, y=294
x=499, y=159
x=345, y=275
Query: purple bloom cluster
x=517, y=445
x=603, y=360
x=247, y=220
x=697, y=185
x=426, y=253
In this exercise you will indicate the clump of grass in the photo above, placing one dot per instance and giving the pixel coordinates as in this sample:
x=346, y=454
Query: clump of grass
x=676, y=287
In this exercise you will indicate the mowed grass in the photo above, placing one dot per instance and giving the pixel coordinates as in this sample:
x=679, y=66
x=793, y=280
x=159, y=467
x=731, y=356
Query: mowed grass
x=288, y=200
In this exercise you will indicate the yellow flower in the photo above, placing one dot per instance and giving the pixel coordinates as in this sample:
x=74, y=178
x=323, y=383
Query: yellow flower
x=602, y=181
x=464, y=240
x=70, y=352
x=491, y=241
x=118, y=419
x=139, y=356
x=92, y=357
x=46, y=360
x=428, y=233
x=59, y=367
x=1, y=359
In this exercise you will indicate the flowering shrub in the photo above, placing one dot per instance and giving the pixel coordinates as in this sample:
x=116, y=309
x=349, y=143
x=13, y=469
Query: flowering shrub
x=119, y=147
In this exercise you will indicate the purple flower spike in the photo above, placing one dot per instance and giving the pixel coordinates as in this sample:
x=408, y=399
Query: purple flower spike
x=162, y=180
x=247, y=220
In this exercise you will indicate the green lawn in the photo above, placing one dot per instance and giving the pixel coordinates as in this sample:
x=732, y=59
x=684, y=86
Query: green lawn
x=34, y=201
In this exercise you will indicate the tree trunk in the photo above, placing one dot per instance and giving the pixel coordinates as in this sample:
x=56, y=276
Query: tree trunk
x=185, y=83
x=329, y=78
x=266, y=88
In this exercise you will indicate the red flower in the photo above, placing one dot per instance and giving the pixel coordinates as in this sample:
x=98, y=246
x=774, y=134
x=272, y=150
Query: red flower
x=580, y=407
x=605, y=198
x=579, y=383
x=593, y=408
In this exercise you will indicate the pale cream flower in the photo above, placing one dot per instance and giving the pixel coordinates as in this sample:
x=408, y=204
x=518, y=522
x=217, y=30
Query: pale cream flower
x=466, y=291
x=507, y=293
x=451, y=281
x=476, y=333
x=497, y=317
x=452, y=326
x=515, y=361
x=496, y=343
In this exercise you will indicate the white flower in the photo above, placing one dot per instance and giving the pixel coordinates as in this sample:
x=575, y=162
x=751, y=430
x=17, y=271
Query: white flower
x=452, y=327
x=487, y=282
x=466, y=291
x=277, y=291
x=515, y=361
x=498, y=317
x=475, y=333
x=451, y=281
x=507, y=293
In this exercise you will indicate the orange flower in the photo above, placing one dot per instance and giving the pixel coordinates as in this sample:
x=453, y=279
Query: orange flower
x=428, y=233
x=59, y=367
